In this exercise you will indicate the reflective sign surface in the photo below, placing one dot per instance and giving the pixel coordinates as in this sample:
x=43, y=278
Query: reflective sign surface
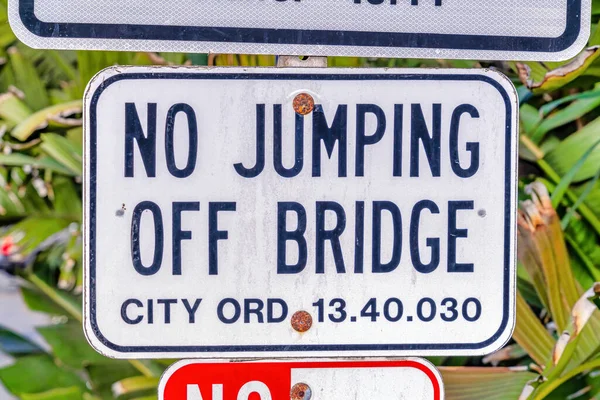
x=323, y=212
x=484, y=29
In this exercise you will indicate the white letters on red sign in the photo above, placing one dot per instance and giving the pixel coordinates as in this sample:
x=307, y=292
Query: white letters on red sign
x=193, y=391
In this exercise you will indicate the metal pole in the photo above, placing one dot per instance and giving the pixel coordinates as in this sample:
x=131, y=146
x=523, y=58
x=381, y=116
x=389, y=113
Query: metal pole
x=301, y=62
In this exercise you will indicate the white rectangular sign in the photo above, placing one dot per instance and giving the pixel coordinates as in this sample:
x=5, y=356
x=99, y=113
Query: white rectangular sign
x=545, y=30
x=221, y=222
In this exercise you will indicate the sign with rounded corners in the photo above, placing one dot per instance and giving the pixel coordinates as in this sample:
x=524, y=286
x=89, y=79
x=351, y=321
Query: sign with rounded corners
x=380, y=379
x=543, y=30
x=328, y=212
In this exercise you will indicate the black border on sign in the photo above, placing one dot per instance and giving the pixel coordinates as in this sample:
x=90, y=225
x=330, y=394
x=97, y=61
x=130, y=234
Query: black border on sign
x=305, y=37
x=92, y=218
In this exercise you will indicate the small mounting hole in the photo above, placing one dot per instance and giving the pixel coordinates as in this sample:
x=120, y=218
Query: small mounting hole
x=303, y=58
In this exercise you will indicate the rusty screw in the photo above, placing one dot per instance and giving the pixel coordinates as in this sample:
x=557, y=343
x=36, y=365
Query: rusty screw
x=301, y=321
x=304, y=104
x=300, y=391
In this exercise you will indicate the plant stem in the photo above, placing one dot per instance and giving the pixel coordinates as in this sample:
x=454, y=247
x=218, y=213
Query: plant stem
x=146, y=367
x=55, y=296
x=551, y=173
x=547, y=388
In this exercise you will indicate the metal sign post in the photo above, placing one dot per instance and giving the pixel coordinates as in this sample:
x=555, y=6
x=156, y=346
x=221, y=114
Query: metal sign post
x=301, y=62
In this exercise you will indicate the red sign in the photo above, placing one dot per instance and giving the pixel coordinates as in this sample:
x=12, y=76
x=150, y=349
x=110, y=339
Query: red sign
x=315, y=380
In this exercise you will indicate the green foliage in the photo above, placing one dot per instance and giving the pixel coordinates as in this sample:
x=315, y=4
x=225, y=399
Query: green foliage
x=559, y=240
x=16, y=345
x=37, y=374
x=559, y=234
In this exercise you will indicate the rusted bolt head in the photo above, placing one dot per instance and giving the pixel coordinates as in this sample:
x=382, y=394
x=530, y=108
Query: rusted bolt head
x=301, y=321
x=304, y=104
x=300, y=391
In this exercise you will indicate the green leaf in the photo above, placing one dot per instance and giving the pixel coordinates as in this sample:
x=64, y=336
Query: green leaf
x=63, y=151
x=581, y=271
x=72, y=393
x=541, y=80
x=75, y=136
x=66, y=198
x=35, y=374
x=70, y=346
x=34, y=234
x=588, y=345
x=472, y=383
x=565, y=182
x=593, y=199
x=38, y=301
x=89, y=63
x=11, y=207
x=529, y=117
x=551, y=106
x=33, y=197
x=28, y=81
x=173, y=58
x=585, y=244
x=52, y=65
x=7, y=37
x=136, y=386
x=70, y=304
x=544, y=391
x=42, y=118
x=531, y=334
x=13, y=110
x=49, y=163
x=562, y=117
x=584, y=210
x=529, y=293
x=542, y=250
x=20, y=160
x=595, y=298
x=589, y=187
x=103, y=376
x=16, y=345
x=198, y=59
x=566, y=155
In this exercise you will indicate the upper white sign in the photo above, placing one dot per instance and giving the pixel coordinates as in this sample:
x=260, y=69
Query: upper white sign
x=317, y=212
x=481, y=29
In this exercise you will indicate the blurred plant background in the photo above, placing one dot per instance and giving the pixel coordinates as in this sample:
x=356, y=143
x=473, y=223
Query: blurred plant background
x=555, y=351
